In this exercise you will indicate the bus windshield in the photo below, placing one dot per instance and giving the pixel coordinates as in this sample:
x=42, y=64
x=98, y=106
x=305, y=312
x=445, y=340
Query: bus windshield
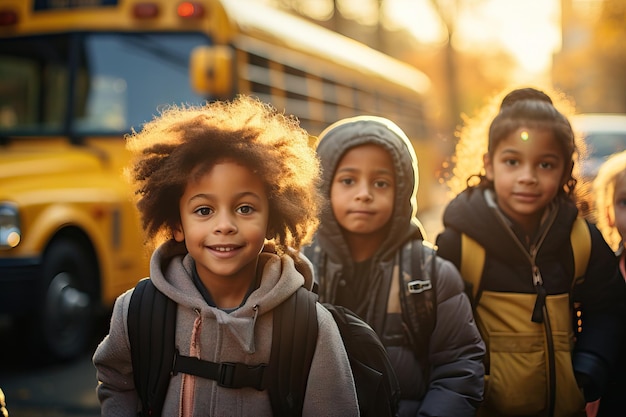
x=121, y=81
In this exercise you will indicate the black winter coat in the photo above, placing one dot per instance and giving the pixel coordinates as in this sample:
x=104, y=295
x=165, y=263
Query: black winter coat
x=508, y=269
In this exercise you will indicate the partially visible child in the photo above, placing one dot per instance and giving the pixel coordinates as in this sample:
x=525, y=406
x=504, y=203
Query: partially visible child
x=369, y=236
x=215, y=182
x=521, y=211
x=3, y=410
x=609, y=189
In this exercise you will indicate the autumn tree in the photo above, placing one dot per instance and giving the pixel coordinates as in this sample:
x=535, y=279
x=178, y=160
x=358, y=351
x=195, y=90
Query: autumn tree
x=591, y=70
x=608, y=55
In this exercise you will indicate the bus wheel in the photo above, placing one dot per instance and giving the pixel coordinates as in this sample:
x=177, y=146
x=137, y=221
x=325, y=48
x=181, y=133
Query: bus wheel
x=65, y=319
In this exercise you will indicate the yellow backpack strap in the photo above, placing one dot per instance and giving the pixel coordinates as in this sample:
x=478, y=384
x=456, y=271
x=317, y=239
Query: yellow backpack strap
x=580, y=239
x=472, y=262
x=473, y=255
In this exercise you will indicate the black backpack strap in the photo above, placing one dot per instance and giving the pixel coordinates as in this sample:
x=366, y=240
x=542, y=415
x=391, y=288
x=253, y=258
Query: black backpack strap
x=151, y=333
x=418, y=296
x=226, y=374
x=293, y=344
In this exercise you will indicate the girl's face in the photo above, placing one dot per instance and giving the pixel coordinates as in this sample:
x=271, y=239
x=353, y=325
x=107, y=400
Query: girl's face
x=362, y=191
x=224, y=219
x=527, y=169
x=619, y=207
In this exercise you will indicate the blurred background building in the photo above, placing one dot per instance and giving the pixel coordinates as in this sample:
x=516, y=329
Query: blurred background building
x=590, y=64
x=472, y=48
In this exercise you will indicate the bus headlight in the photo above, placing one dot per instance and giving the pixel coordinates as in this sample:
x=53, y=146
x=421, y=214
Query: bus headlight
x=10, y=232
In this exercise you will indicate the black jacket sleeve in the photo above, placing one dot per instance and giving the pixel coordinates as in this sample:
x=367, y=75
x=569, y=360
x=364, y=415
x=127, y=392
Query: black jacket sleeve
x=602, y=296
x=456, y=351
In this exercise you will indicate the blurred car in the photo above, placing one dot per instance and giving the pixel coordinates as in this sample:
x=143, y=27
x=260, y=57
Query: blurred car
x=604, y=134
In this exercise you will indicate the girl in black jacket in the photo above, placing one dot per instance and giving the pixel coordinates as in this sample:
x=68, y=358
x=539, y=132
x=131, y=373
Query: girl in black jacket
x=521, y=212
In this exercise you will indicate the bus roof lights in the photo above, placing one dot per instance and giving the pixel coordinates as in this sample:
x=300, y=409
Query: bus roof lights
x=145, y=10
x=190, y=9
x=8, y=17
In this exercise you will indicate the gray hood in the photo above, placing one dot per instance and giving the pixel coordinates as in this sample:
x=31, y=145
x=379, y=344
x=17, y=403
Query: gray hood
x=171, y=269
x=333, y=143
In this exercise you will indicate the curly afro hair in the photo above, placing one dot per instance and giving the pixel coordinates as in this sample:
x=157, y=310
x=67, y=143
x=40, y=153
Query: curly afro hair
x=188, y=141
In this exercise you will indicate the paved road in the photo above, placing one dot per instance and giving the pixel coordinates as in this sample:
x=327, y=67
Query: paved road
x=38, y=390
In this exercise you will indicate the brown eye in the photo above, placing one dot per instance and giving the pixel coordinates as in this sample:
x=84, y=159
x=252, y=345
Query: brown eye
x=382, y=184
x=204, y=211
x=245, y=209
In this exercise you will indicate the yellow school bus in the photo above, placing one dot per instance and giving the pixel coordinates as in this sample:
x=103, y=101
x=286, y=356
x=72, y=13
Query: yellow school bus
x=77, y=75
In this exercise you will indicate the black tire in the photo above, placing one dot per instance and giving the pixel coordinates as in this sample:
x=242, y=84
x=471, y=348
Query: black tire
x=64, y=320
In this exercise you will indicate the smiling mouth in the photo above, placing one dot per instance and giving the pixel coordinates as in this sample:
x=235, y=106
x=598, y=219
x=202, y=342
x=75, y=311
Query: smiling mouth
x=223, y=248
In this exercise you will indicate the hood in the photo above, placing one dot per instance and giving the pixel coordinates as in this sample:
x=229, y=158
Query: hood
x=333, y=143
x=171, y=269
x=471, y=205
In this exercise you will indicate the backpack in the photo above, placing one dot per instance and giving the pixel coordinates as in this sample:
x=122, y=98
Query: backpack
x=417, y=262
x=151, y=330
x=514, y=348
x=418, y=296
x=377, y=388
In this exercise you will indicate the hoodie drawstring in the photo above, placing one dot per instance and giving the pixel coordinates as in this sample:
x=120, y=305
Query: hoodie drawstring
x=188, y=383
x=251, y=346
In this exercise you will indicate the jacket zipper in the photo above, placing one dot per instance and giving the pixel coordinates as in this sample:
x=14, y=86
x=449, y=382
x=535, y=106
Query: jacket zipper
x=540, y=315
x=540, y=312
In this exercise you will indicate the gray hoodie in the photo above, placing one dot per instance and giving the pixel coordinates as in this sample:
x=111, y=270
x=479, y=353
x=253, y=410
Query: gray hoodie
x=209, y=333
x=455, y=386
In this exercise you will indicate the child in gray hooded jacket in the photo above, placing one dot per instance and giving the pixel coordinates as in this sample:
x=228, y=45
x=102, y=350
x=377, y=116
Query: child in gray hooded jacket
x=370, y=178
x=218, y=182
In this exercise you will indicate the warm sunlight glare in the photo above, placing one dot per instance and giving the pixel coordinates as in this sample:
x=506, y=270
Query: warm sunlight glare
x=417, y=16
x=529, y=30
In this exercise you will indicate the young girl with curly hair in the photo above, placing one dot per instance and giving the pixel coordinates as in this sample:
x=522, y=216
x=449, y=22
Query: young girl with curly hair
x=228, y=191
x=521, y=210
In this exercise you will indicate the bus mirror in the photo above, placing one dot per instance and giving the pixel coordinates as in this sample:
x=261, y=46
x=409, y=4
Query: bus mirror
x=210, y=70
